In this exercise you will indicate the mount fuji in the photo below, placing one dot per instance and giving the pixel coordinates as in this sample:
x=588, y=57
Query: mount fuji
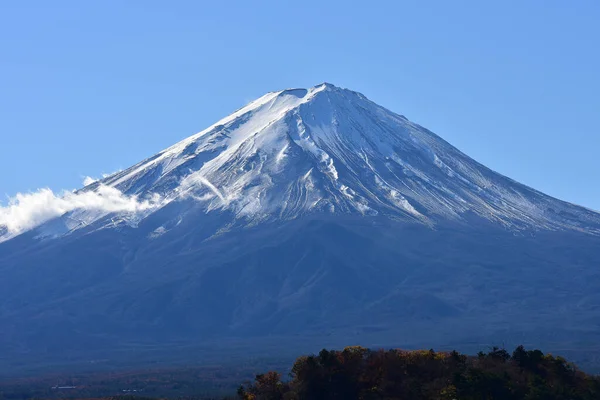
x=308, y=217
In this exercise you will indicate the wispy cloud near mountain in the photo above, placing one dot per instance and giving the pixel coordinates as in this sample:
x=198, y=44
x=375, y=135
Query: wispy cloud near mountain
x=25, y=211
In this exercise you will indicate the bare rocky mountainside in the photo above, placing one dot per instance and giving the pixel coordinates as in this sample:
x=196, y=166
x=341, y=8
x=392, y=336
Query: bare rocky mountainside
x=308, y=218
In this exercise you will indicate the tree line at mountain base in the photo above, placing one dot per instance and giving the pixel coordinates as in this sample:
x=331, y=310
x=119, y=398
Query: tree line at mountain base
x=359, y=373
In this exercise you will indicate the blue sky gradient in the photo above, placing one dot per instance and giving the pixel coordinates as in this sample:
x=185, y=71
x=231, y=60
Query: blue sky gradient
x=91, y=87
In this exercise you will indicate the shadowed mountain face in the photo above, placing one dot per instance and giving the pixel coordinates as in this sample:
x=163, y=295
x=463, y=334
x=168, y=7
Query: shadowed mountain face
x=309, y=215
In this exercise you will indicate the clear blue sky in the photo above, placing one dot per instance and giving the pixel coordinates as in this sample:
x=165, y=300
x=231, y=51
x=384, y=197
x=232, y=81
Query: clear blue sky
x=90, y=87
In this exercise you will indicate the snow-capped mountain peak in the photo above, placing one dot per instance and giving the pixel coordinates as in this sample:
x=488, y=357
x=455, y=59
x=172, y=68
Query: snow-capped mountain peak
x=330, y=150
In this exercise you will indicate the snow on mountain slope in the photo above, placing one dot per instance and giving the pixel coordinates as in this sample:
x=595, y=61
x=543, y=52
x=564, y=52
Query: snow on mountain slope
x=327, y=149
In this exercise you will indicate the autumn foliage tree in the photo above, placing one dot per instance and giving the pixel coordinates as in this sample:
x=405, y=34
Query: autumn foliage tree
x=359, y=373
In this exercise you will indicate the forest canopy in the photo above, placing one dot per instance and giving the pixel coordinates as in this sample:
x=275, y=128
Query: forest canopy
x=360, y=373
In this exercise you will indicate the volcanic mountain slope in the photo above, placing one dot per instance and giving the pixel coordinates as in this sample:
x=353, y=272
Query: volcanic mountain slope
x=308, y=210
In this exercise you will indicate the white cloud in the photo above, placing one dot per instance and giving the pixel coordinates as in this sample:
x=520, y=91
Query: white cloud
x=88, y=180
x=28, y=210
